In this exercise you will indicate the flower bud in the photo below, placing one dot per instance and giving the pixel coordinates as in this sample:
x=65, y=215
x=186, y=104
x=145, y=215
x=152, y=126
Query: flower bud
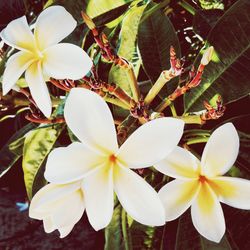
x=207, y=56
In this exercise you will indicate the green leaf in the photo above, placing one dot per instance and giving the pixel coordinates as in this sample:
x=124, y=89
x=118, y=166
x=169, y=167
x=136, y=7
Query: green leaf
x=155, y=36
x=204, y=21
x=38, y=143
x=212, y=4
x=230, y=75
x=12, y=150
x=188, y=238
x=113, y=233
x=128, y=48
x=97, y=7
x=143, y=236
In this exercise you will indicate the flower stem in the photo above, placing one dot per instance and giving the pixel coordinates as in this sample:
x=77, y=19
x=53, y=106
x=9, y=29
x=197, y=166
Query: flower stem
x=125, y=230
x=173, y=110
x=156, y=88
x=116, y=102
x=187, y=7
x=191, y=119
x=133, y=82
x=197, y=140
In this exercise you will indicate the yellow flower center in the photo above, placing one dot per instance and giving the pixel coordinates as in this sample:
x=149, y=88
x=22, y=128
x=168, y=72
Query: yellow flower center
x=39, y=55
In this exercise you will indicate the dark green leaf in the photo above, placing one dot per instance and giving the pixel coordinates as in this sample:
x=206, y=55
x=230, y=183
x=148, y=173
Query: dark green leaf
x=155, y=36
x=12, y=151
x=229, y=74
x=188, y=238
x=113, y=233
x=37, y=145
x=204, y=21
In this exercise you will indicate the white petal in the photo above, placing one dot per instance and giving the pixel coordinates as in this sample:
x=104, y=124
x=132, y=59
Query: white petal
x=42, y=202
x=69, y=211
x=234, y=192
x=64, y=231
x=17, y=34
x=151, y=142
x=220, y=151
x=53, y=25
x=180, y=164
x=48, y=225
x=138, y=198
x=207, y=214
x=67, y=164
x=89, y=118
x=15, y=67
x=177, y=196
x=99, y=197
x=38, y=88
x=65, y=60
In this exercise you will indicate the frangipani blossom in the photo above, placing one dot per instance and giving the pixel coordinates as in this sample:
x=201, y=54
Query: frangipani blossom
x=59, y=206
x=104, y=167
x=41, y=56
x=200, y=184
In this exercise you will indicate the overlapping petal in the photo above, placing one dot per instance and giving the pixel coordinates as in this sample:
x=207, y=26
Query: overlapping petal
x=180, y=164
x=234, y=192
x=207, y=214
x=38, y=88
x=67, y=164
x=99, y=196
x=89, y=118
x=17, y=34
x=177, y=196
x=220, y=151
x=52, y=26
x=41, y=202
x=138, y=198
x=65, y=60
x=53, y=202
x=151, y=142
x=15, y=67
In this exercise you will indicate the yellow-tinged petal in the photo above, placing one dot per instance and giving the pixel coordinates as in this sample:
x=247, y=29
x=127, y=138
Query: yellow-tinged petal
x=52, y=26
x=15, y=67
x=232, y=191
x=207, y=214
x=17, y=34
x=220, y=151
x=177, y=196
x=180, y=164
x=138, y=198
x=99, y=196
x=38, y=88
x=90, y=119
x=48, y=195
x=151, y=142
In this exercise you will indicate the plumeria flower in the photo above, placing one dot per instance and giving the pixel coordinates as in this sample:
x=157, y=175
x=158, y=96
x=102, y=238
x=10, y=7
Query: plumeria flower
x=59, y=206
x=104, y=167
x=40, y=55
x=200, y=184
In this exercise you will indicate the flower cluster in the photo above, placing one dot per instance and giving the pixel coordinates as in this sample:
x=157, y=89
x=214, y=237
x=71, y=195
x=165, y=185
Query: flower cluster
x=88, y=174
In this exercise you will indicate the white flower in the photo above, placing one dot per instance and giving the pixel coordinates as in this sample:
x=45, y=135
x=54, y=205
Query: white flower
x=40, y=54
x=201, y=184
x=59, y=206
x=104, y=167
